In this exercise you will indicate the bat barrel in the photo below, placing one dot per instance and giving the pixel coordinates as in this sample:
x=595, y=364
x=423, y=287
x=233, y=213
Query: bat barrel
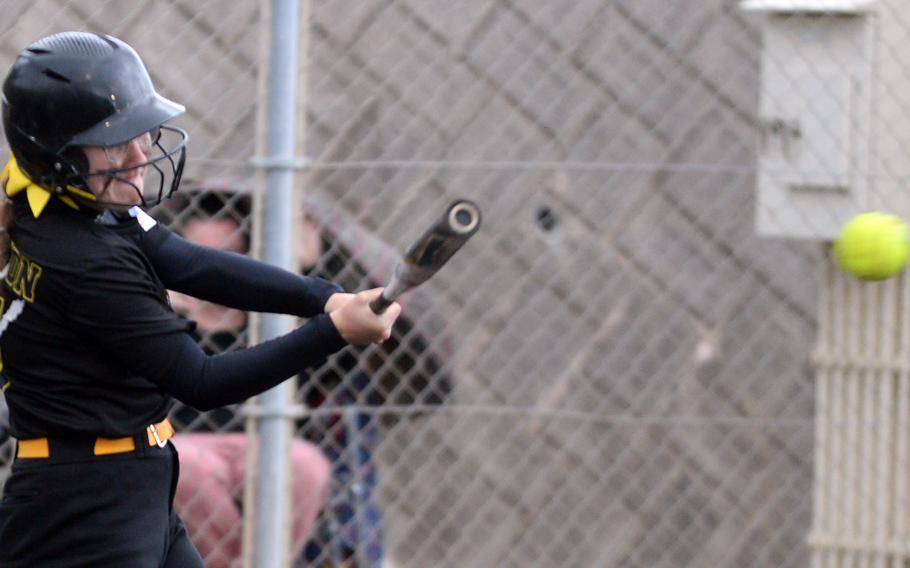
x=431, y=250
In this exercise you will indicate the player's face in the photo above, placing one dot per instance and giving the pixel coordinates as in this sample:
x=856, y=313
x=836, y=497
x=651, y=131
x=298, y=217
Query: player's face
x=223, y=233
x=129, y=159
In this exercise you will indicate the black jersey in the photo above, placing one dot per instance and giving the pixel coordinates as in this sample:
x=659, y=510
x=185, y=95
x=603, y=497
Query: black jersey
x=76, y=296
x=89, y=343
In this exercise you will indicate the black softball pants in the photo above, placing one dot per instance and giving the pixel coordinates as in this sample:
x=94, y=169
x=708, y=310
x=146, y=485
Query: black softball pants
x=77, y=510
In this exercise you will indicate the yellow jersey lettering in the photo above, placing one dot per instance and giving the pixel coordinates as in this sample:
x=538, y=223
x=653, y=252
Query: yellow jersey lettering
x=26, y=287
x=14, y=267
x=23, y=275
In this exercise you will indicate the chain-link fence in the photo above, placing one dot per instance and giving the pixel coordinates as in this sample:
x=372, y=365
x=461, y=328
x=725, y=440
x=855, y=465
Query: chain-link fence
x=615, y=371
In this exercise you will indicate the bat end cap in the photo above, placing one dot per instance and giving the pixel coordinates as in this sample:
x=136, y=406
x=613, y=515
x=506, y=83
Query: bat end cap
x=464, y=217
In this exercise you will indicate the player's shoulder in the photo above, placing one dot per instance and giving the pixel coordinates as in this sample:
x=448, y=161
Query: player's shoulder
x=109, y=240
x=120, y=236
x=69, y=239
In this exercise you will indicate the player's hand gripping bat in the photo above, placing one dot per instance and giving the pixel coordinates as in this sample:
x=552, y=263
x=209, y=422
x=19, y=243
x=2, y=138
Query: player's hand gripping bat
x=431, y=251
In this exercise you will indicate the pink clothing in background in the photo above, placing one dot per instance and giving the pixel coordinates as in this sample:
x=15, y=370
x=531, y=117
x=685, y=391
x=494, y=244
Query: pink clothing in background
x=210, y=493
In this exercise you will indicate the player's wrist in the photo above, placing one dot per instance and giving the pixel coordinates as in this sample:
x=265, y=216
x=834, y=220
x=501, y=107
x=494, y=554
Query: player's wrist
x=336, y=301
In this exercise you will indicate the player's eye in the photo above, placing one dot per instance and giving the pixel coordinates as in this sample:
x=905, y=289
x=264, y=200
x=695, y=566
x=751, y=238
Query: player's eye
x=116, y=153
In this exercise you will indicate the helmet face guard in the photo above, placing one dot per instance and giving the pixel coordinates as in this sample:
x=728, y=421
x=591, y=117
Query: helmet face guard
x=166, y=160
x=76, y=89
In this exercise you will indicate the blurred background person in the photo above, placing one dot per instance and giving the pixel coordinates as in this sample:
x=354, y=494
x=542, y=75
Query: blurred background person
x=348, y=389
x=212, y=444
x=335, y=472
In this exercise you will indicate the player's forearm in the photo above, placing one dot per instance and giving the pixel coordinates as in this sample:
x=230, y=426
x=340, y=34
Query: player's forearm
x=235, y=280
x=205, y=382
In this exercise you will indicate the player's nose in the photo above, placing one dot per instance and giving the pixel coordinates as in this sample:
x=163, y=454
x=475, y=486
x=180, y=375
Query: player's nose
x=137, y=152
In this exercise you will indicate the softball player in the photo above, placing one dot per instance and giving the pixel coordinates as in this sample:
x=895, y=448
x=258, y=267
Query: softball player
x=91, y=351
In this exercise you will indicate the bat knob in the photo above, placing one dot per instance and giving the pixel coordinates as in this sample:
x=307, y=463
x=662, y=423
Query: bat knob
x=464, y=217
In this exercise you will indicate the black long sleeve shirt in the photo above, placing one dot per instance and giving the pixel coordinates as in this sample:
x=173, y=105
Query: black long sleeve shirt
x=90, y=345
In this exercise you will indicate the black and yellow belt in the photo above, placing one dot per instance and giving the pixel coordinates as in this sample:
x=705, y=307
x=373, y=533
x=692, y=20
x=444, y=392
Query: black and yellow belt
x=156, y=434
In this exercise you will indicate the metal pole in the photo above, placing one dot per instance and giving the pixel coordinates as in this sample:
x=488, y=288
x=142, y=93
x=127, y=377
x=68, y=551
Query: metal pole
x=357, y=480
x=272, y=505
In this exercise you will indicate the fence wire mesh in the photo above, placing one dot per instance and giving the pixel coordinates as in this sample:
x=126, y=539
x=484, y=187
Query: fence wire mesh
x=614, y=372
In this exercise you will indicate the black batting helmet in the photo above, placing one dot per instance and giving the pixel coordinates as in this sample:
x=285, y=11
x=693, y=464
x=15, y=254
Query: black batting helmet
x=76, y=89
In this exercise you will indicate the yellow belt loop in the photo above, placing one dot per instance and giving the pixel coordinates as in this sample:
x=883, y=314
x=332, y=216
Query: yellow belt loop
x=34, y=448
x=107, y=446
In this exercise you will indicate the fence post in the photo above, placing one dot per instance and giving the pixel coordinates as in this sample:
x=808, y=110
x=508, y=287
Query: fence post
x=271, y=533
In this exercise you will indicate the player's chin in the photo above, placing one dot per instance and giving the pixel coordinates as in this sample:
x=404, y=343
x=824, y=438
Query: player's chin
x=127, y=194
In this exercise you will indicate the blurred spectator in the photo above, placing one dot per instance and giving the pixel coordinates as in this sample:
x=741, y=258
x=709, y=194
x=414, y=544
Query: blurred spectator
x=404, y=370
x=349, y=530
x=212, y=449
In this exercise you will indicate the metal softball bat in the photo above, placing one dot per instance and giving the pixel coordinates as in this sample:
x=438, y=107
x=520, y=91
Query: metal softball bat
x=431, y=251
